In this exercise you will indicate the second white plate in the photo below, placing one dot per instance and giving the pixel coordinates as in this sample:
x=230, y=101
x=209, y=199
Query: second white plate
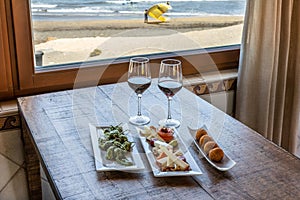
x=195, y=170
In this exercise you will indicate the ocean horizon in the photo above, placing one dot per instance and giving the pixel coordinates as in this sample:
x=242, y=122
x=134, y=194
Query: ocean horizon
x=130, y=9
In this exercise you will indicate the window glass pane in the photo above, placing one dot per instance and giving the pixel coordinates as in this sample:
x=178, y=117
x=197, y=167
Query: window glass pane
x=68, y=31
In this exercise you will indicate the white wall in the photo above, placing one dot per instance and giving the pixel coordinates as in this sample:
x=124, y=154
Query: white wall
x=222, y=100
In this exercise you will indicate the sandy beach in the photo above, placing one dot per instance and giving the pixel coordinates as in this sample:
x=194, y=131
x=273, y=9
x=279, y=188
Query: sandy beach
x=73, y=41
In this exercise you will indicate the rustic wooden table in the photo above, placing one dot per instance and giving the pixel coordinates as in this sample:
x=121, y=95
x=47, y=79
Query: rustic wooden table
x=56, y=134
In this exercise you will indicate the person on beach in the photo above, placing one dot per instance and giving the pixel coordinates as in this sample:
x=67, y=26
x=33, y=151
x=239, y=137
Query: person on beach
x=156, y=12
x=146, y=16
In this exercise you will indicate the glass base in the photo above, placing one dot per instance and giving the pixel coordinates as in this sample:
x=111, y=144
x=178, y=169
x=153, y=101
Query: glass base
x=169, y=123
x=139, y=120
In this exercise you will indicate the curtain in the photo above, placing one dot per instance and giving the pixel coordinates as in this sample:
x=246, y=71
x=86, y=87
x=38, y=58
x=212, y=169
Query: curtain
x=268, y=91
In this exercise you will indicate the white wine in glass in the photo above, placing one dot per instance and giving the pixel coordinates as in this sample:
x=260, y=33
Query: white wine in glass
x=170, y=82
x=139, y=79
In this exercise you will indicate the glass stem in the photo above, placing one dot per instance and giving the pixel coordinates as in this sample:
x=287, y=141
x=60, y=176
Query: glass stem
x=169, y=107
x=139, y=104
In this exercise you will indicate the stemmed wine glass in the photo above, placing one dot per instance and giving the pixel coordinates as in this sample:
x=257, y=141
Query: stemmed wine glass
x=139, y=79
x=170, y=82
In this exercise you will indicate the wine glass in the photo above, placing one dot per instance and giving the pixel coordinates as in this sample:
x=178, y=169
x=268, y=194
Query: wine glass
x=170, y=82
x=139, y=79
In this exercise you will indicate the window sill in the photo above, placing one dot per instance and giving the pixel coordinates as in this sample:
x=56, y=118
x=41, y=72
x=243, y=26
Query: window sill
x=112, y=71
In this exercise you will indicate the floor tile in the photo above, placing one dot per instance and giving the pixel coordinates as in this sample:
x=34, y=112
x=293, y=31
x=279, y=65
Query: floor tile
x=7, y=170
x=11, y=145
x=16, y=188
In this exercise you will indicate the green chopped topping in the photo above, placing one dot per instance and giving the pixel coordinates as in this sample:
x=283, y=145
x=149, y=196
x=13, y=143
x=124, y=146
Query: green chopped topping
x=116, y=144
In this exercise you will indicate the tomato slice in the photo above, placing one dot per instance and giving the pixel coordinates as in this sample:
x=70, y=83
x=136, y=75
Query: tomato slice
x=166, y=134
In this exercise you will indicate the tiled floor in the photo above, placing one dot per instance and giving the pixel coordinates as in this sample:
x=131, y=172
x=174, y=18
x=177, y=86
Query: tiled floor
x=13, y=184
x=16, y=188
x=11, y=146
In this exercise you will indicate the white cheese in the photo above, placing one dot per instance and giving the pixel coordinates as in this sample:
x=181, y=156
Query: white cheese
x=158, y=143
x=163, y=161
x=183, y=165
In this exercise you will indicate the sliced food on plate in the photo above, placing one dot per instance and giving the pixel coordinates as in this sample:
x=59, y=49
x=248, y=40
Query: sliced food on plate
x=165, y=148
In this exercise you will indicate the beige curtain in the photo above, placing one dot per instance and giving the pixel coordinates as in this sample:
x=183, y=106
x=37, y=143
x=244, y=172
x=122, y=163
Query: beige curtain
x=268, y=93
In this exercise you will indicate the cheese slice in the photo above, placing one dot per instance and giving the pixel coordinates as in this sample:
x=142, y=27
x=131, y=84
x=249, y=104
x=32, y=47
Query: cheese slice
x=158, y=143
x=162, y=162
x=183, y=165
x=169, y=162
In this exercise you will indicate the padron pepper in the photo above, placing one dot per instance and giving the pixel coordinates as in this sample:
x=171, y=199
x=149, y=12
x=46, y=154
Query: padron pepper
x=110, y=153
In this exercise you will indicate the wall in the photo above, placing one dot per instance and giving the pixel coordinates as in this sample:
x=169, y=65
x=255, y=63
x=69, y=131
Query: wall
x=217, y=88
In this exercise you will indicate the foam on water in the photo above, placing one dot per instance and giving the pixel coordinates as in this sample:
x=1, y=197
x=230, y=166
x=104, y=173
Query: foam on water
x=43, y=6
x=127, y=9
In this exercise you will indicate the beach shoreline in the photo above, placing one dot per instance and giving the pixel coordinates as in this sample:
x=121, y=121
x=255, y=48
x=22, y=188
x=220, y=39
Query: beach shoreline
x=74, y=41
x=45, y=30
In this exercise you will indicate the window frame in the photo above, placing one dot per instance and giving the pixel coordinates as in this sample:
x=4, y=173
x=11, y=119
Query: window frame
x=6, y=83
x=29, y=80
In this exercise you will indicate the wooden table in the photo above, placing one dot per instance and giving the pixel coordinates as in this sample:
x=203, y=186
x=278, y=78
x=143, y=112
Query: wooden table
x=57, y=126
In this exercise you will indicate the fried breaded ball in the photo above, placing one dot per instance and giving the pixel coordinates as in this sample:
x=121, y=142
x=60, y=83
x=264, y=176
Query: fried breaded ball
x=204, y=139
x=209, y=146
x=216, y=154
x=200, y=132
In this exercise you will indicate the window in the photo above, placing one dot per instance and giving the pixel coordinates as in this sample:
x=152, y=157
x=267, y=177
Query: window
x=28, y=79
x=74, y=31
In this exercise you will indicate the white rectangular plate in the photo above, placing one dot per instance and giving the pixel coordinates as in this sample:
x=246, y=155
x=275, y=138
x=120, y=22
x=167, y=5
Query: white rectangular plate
x=102, y=164
x=195, y=170
x=226, y=163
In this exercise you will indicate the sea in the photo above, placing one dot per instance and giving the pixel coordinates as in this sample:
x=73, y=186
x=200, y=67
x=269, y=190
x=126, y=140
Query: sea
x=131, y=9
